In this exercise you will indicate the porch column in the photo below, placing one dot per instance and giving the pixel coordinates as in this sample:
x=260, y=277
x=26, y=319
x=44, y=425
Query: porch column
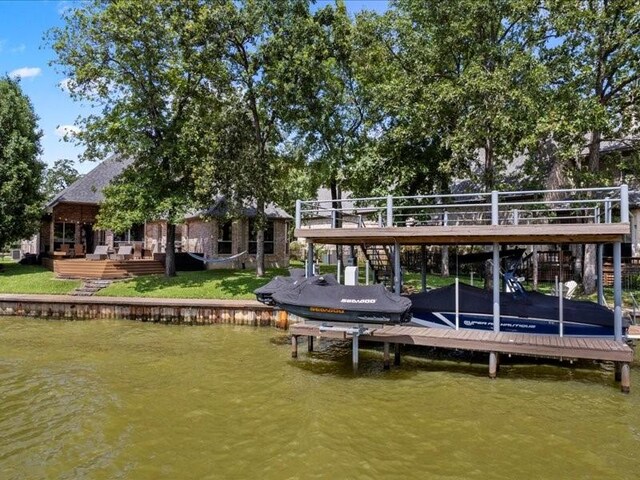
x=617, y=290
x=600, y=274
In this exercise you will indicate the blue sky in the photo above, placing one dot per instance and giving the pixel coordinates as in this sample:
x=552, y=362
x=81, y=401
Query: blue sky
x=25, y=54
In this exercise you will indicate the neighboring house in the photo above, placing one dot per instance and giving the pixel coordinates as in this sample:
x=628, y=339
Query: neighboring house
x=71, y=217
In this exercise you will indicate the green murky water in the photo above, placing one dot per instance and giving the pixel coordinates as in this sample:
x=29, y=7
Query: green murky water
x=109, y=399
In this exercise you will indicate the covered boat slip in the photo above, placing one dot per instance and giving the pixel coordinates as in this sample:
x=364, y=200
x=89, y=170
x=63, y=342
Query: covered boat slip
x=583, y=216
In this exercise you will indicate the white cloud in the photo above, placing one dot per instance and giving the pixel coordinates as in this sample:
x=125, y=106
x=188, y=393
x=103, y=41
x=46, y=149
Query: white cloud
x=19, y=49
x=26, y=72
x=67, y=131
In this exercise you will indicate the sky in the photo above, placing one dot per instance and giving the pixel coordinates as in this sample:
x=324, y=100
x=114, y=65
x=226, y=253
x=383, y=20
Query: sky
x=24, y=53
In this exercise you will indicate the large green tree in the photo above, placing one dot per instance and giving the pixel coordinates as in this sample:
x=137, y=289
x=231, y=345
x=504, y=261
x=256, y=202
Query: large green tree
x=20, y=167
x=465, y=74
x=257, y=91
x=142, y=65
x=594, y=59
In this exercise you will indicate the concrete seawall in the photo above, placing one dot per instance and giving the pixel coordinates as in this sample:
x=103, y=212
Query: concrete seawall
x=159, y=310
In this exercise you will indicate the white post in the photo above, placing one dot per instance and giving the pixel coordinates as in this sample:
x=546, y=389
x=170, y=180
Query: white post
x=457, y=304
x=600, y=274
x=607, y=210
x=617, y=291
x=496, y=287
x=355, y=352
x=624, y=204
x=560, y=309
x=338, y=270
x=472, y=278
x=516, y=218
x=389, y=211
x=495, y=212
x=298, y=213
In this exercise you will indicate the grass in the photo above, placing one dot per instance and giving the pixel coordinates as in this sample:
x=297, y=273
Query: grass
x=211, y=284
x=16, y=278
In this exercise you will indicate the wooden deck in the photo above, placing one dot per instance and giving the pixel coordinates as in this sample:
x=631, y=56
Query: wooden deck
x=103, y=269
x=470, y=234
x=548, y=346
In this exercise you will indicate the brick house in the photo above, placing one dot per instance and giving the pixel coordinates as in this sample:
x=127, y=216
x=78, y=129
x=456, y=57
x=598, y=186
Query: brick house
x=69, y=224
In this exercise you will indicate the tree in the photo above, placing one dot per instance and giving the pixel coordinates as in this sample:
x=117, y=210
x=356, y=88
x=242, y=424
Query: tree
x=595, y=60
x=58, y=177
x=20, y=168
x=465, y=74
x=259, y=39
x=142, y=64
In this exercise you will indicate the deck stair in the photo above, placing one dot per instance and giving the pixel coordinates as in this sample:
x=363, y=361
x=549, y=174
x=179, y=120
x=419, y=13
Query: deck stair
x=106, y=269
x=379, y=257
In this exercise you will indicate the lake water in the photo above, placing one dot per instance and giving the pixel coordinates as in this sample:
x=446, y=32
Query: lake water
x=119, y=399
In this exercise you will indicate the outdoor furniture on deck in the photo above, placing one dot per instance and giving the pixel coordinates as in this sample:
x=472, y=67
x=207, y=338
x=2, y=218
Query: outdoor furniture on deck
x=63, y=252
x=78, y=250
x=137, y=251
x=124, y=253
x=100, y=253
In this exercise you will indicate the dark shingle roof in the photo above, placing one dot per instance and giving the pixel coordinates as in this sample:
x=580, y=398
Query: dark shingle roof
x=220, y=209
x=88, y=188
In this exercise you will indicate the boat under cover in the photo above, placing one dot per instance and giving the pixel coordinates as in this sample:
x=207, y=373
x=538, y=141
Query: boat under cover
x=320, y=300
x=264, y=293
x=528, y=312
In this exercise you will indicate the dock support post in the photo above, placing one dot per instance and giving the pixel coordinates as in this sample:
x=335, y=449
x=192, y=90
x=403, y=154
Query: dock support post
x=617, y=371
x=625, y=379
x=396, y=267
x=309, y=260
x=396, y=354
x=294, y=346
x=600, y=274
x=423, y=267
x=617, y=291
x=354, y=355
x=309, y=343
x=496, y=287
x=386, y=358
x=493, y=365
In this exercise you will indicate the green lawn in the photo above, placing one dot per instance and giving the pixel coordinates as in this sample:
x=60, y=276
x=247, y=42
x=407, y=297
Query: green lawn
x=16, y=278
x=214, y=284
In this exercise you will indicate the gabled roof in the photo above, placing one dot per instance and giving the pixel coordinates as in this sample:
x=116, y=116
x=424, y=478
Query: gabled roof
x=220, y=209
x=88, y=188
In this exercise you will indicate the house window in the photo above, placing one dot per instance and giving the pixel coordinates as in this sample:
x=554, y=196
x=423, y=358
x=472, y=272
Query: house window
x=63, y=233
x=224, y=238
x=269, y=236
x=134, y=234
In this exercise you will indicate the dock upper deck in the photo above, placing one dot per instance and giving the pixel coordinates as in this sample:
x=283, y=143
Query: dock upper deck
x=598, y=215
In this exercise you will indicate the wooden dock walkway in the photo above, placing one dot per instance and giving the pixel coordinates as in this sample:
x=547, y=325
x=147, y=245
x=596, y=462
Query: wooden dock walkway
x=548, y=346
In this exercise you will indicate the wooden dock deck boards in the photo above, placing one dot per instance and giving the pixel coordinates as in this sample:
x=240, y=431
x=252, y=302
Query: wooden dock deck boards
x=501, y=342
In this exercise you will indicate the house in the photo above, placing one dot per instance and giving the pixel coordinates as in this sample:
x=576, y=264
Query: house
x=69, y=225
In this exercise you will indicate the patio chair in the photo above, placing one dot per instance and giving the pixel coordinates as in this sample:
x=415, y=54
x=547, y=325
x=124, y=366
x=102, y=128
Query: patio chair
x=137, y=251
x=100, y=253
x=78, y=250
x=124, y=253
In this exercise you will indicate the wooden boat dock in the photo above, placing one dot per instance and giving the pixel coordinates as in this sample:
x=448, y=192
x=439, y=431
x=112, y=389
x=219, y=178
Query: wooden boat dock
x=494, y=343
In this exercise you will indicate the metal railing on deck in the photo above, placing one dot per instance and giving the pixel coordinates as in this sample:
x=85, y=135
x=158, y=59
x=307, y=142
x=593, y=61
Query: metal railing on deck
x=565, y=206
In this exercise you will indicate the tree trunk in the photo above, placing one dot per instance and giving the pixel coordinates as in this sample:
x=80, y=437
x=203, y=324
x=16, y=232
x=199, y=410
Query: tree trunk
x=170, y=251
x=489, y=174
x=444, y=262
x=594, y=151
x=260, y=217
x=589, y=269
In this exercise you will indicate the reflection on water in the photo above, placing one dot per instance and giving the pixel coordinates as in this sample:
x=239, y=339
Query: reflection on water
x=109, y=399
